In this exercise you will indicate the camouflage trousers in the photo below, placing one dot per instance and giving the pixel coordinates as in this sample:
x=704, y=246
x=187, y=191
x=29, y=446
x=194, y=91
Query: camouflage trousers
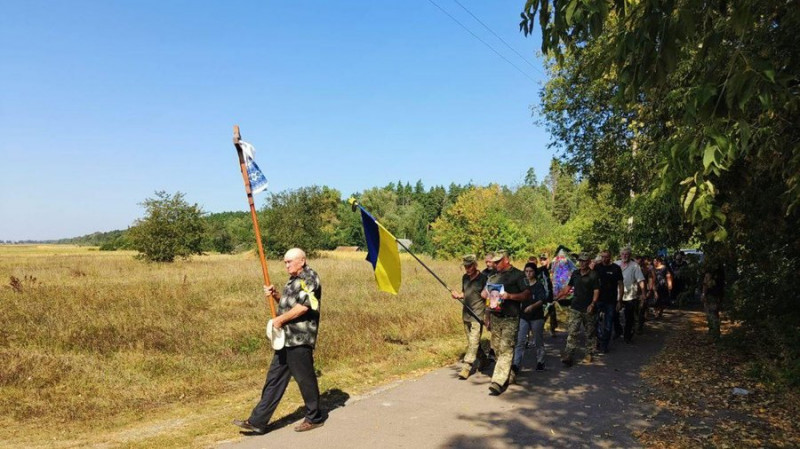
x=711, y=306
x=574, y=322
x=474, y=351
x=504, y=339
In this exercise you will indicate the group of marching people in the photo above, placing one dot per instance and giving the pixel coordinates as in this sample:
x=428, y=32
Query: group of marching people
x=514, y=305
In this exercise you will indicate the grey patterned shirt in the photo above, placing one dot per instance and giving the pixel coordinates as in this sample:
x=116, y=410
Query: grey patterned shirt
x=304, y=289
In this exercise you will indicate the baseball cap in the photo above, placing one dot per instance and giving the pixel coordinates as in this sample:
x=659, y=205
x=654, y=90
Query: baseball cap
x=499, y=254
x=469, y=259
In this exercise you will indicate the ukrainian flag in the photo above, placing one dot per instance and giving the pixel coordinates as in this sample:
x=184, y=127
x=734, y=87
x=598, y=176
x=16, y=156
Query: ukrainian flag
x=382, y=253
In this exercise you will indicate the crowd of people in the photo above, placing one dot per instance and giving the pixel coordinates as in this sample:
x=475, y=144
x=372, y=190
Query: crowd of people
x=605, y=300
x=512, y=304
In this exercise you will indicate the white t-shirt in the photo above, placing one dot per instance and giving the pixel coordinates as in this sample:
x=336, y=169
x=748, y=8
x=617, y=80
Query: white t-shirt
x=631, y=276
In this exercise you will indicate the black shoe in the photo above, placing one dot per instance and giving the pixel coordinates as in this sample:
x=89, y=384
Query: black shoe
x=495, y=389
x=540, y=366
x=249, y=427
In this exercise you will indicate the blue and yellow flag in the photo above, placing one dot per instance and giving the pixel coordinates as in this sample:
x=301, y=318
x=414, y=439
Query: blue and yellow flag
x=382, y=253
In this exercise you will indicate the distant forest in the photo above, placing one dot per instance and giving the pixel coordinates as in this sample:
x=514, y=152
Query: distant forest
x=441, y=221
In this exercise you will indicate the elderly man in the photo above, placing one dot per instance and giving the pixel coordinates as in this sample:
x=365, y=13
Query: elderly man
x=472, y=284
x=508, y=286
x=298, y=316
x=586, y=285
x=633, y=296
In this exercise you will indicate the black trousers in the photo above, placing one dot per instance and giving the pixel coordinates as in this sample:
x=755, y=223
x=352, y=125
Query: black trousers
x=297, y=362
x=631, y=318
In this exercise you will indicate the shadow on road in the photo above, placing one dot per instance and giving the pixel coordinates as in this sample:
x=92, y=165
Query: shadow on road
x=592, y=405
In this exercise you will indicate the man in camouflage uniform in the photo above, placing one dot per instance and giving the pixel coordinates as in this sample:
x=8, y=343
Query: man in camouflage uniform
x=713, y=294
x=505, y=321
x=472, y=283
x=586, y=284
x=298, y=316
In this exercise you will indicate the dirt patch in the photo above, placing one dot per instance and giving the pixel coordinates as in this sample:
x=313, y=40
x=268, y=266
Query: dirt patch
x=705, y=386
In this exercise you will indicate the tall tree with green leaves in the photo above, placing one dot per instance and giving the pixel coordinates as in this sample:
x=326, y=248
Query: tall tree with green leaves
x=304, y=218
x=478, y=222
x=170, y=228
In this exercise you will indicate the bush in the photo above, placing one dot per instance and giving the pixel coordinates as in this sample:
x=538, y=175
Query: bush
x=172, y=228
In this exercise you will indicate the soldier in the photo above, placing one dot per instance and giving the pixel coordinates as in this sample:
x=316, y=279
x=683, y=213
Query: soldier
x=472, y=284
x=713, y=294
x=508, y=288
x=586, y=283
x=611, y=292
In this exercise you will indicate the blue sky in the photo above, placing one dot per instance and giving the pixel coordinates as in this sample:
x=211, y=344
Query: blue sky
x=104, y=102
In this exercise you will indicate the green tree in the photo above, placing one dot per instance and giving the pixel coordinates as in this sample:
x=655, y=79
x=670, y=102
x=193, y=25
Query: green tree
x=305, y=218
x=171, y=228
x=477, y=223
x=709, y=90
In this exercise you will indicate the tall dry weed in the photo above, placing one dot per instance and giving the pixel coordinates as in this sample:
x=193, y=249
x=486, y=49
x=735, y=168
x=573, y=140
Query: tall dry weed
x=109, y=338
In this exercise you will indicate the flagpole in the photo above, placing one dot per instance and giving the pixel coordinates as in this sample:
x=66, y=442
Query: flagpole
x=354, y=204
x=237, y=143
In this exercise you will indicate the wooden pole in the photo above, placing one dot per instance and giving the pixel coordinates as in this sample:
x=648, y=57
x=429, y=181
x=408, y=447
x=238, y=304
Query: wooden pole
x=243, y=165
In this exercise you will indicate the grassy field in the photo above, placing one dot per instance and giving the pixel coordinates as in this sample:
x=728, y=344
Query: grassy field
x=99, y=349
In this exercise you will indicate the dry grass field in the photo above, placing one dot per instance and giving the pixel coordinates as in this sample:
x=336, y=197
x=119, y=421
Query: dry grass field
x=99, y=349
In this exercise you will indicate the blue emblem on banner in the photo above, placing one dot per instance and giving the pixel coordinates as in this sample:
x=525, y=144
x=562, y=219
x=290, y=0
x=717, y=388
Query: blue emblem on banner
x=258, y=182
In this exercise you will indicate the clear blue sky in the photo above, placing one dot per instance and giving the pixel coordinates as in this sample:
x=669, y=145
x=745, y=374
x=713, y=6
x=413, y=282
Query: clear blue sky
x=104, y=102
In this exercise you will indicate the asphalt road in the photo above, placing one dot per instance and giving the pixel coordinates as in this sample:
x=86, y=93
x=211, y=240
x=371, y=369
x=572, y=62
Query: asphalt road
x=586, y=406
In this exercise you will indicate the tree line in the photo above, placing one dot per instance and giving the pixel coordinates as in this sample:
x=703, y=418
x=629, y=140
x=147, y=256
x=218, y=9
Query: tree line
x=446, y=222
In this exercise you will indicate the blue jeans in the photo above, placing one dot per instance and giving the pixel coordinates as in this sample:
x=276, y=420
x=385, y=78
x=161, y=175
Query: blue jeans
x=525, y=326
x=606, y=324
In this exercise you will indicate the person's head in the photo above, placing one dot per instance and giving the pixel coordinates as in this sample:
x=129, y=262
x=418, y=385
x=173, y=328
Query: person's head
x=658, y=261
x=679, y=256
x=490, y=261
x=543, y=260
x=605, y=257
x=294, y=260
x=501, y=260
x=531, y=271
x=583, y=260
x=470, y=263
x=625, y=254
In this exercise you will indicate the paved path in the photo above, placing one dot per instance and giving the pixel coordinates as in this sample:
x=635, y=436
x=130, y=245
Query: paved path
x=583, y=406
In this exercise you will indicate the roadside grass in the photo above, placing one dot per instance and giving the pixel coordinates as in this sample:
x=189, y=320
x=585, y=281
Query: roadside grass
x=97, y=348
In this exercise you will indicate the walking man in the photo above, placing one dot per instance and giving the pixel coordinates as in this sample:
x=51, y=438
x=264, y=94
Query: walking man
x=712, y=296
x=610, y=302
x=586, y=284
x=472, y=284
x=298, y=316
x=633, y=296
x=509, y=287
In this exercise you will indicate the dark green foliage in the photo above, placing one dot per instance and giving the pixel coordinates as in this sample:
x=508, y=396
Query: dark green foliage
x=107, y=241
x=171, y=228
x=694, y=105
x=304, y=218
